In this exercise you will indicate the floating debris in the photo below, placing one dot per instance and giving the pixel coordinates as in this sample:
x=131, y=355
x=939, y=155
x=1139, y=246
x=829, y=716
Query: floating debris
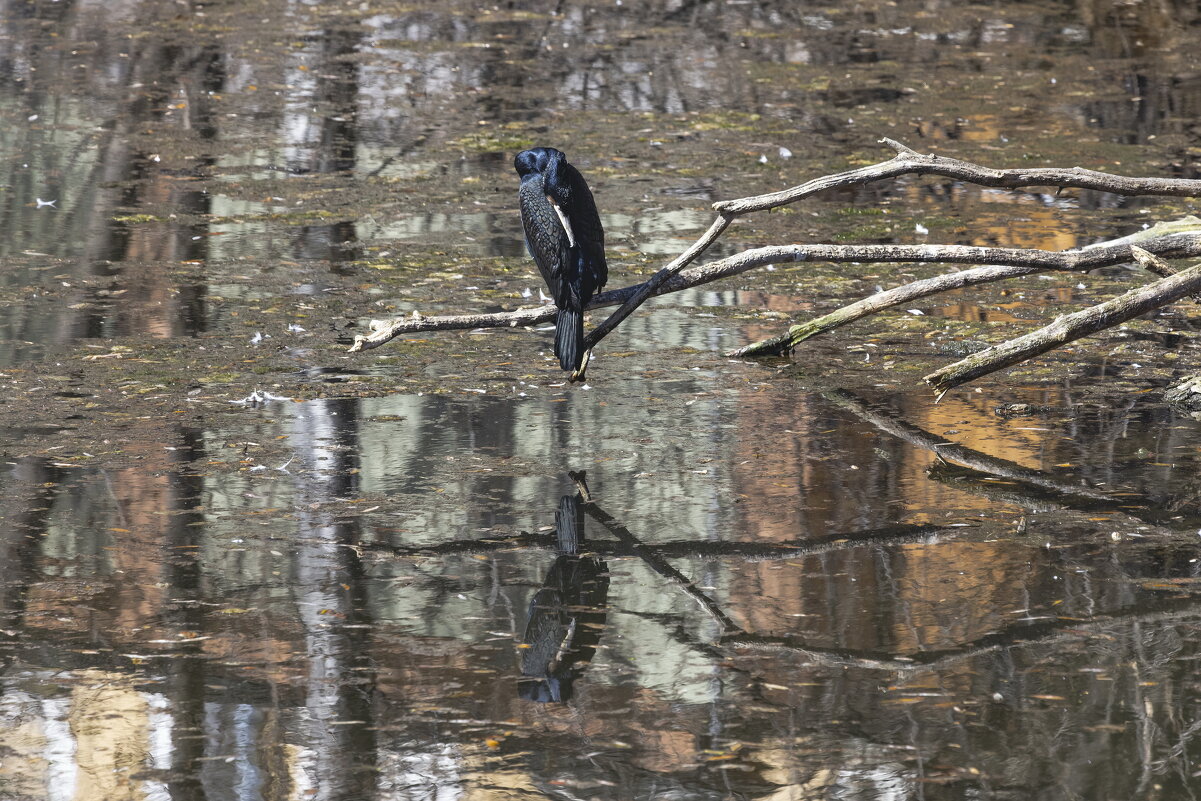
x=258, y=398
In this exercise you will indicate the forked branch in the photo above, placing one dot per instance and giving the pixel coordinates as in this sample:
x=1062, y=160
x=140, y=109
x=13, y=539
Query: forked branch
x=1067, y=329
x=1171, y=241
x=1023, y=260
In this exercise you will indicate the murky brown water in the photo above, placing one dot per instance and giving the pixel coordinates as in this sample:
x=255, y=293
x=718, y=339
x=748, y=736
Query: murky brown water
x=788, y=581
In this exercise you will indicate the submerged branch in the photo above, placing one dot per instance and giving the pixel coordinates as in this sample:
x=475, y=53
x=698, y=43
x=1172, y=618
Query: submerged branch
x=1030, y=488
x=960, y=454
x=1167, y=519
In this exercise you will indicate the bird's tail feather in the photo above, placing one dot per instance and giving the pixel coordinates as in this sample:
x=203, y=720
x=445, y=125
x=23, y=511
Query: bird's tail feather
x=569, y=338
x=569, y=524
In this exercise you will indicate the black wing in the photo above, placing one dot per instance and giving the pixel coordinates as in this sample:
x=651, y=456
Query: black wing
x=545, y=237
x=585, y=220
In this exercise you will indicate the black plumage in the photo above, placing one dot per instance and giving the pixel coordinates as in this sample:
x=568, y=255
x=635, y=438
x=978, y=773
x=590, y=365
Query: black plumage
x=567, y=614
x=563, y=233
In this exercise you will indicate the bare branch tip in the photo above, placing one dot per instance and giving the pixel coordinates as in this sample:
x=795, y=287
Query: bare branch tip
x=1145, y=257
x=902, y=150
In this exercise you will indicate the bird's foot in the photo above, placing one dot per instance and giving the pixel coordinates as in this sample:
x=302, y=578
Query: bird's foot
x=577, y=375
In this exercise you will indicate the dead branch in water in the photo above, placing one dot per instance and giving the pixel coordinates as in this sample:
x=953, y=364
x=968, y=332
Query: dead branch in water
x=1017, y=261
x=909, y=162
x=1068, y=328
x=1180, y=239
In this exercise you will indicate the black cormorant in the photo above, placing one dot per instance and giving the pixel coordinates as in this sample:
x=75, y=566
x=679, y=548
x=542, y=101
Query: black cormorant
x=564, y=235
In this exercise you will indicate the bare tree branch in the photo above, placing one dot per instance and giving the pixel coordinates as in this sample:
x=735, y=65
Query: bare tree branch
x=908, y=293
x=676, y=275
x=1170, y=246
x=778, y=345
x=910, y=162
x=385, y=330
x=1067, y=329
x=651, y=287
x=907, y=161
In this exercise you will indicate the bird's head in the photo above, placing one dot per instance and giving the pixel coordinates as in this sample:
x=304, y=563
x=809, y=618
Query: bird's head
x=538, y=160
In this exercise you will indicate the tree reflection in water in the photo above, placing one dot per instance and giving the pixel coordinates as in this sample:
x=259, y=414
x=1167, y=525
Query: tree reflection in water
x=814, y=595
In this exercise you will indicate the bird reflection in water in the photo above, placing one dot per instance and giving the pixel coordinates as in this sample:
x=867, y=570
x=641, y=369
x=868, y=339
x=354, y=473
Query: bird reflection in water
x=567, y=614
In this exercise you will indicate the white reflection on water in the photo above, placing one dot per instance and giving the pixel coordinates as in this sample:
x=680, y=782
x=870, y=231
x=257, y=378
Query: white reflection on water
x=161, y=727
x=61, y=767
x=432, y=775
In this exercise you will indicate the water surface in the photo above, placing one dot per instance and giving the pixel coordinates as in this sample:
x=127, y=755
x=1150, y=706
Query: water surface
x=435, y=571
